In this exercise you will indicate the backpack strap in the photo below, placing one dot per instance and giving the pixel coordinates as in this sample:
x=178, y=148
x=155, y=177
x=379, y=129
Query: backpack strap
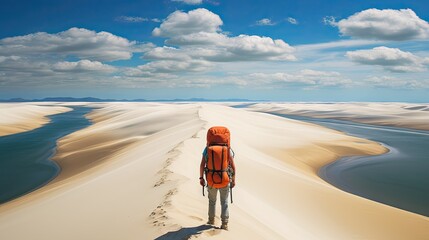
x=231, y=172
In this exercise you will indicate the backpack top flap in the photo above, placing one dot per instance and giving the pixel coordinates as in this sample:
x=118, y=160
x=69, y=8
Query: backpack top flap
x=218, y=135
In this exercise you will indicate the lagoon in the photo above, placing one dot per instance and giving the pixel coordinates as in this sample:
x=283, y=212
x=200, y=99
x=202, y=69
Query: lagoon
x=399, y=178
x=25, y=158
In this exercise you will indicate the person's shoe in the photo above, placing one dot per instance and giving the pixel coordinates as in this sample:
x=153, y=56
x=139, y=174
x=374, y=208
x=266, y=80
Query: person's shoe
x=224, y=226
x=210, y=222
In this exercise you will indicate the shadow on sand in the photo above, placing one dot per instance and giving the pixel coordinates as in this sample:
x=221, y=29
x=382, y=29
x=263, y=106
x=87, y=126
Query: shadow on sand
x=185, y=233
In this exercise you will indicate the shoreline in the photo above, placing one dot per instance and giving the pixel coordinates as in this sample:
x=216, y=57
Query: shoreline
x=28, y=157
x=23, y=117
x=349, y=173
x=393, y=186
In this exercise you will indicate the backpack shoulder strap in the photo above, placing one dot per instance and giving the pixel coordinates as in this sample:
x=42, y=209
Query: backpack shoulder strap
x=205, y=152
x=231, y=152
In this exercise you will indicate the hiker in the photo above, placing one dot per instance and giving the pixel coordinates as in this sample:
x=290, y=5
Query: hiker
x=218, y=166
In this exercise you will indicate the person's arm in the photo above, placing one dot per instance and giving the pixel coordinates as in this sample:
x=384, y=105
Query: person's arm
x=231, y=162
x=202, y=165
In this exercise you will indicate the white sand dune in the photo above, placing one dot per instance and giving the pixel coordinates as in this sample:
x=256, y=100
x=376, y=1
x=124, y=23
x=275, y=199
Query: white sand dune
x=21, y=117
x=133, y=174
x=408, y=115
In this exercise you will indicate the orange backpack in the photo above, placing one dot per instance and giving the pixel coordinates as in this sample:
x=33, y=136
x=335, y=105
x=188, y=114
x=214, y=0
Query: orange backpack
x=217, y=157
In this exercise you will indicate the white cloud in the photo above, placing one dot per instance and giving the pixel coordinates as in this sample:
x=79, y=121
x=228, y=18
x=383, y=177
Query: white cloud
x=335, y=45
x=392, y=82
x=265, y=22
x=41, y=73
x=314, y=73
x=11, y=66
x=305, y=77
x=131, y=19
x=226, y=49
x=330, y=20
x=391, y=59
x=167, y=69
x=190, y=2
x=82, y=65
x=167, y=53
x=292, y=20
x=195, y=21
x=386, y=24
x=245, y=47
x=199, y=38
x=175, y=66
x=39, y=57
x=8, y=58
x=78, y=42
x=198, y=35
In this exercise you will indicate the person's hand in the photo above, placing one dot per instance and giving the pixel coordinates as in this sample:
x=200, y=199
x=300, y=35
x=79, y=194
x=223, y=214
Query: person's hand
x=233, y=183
x=202, y=182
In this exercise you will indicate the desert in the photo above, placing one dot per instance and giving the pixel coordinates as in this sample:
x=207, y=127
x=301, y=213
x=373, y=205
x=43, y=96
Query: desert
x=133, y=174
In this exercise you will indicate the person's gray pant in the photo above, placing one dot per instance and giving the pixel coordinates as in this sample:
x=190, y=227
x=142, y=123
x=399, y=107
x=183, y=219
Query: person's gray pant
x=223, y=202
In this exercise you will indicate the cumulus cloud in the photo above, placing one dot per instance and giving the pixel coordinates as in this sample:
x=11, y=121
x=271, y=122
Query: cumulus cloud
x=42, y=56
x=194, y=45
x=305, y=77
x=174, y=66
x=199, y=39
x=199, y=36
x=292, y=20
x=28, y=72
x=386, y=24
x=190, y=2
x=168, y=66
x=226, y=49
x=82, y=66
x=391, y=59
x=244, y=47
x=11, y=66
x=77, y=42
x=265, y=22
x=199, y=42
x=168, y=53
x=195, y=21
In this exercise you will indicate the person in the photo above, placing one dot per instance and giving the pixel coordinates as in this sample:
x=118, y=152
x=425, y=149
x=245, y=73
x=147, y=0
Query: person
x=218, y=180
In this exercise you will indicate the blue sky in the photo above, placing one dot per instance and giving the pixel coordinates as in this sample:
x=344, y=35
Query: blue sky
x=271, y=50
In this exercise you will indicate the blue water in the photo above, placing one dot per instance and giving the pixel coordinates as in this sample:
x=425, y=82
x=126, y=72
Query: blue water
x=399, y=178
x=25, y=163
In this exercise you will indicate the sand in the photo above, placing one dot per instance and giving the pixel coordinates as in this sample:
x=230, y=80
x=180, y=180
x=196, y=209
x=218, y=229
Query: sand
x=22, y=117
x=407, y=115
x=133, y=174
